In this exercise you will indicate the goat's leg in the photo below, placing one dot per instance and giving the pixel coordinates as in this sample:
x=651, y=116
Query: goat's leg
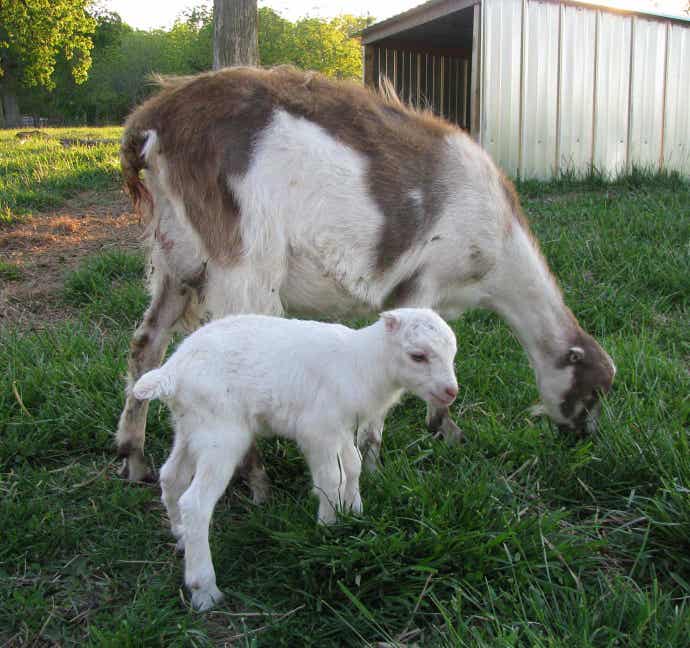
x=175, y=477
x=146, y=352
x=352, y=466
x=329, y=479
x=369, y=440
x=440, y=424
x=219, y=455
x=246, y=290
x=253, y=472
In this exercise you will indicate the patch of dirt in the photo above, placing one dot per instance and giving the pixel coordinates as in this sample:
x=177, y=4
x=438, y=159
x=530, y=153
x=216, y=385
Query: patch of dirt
x=48, y=245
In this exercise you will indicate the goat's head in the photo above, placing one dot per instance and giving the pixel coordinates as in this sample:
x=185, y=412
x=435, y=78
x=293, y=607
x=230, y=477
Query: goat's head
x=572, y=385
x=422, y=349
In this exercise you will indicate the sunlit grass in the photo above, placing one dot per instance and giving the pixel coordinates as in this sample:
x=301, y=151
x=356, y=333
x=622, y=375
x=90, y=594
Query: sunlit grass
x=518, y=537
x=41, y=174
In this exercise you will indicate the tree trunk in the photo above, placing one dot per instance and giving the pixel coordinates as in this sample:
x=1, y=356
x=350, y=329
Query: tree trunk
x=235, y=33
x=10, y=107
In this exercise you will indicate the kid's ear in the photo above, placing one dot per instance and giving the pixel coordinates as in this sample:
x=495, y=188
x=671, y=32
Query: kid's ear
x=391, y=321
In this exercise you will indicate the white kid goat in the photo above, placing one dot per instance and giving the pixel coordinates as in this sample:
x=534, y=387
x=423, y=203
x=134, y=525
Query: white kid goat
x=252, y=375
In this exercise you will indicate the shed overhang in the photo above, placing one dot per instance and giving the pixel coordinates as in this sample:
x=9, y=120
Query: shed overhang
x=415, y=20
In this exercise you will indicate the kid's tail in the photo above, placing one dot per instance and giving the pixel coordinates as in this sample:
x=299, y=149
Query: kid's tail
x=154, y=384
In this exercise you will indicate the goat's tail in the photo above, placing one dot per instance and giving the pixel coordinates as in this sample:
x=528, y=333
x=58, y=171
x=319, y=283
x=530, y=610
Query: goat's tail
x=132, y=161
x=157, y=383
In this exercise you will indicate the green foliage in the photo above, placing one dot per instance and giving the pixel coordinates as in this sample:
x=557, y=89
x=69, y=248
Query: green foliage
x=326, y=46
x=34, y=32
x=125, y=58
x=517, y=537
x=123, y=61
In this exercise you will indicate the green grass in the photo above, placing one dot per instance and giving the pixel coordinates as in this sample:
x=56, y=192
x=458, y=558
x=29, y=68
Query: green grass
x=41, y=174
x=517, y=537
x=10, y=271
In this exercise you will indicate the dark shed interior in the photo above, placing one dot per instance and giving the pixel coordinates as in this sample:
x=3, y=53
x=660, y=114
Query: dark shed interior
x=429, y=64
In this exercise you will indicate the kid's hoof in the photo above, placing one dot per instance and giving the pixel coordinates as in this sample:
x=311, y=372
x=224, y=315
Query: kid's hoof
x=371, y=462
x=260, y=487
x=203, y=600
x=357, y=507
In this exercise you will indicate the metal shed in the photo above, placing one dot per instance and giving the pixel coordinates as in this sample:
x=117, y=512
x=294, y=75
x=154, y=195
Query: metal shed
x=545, y=86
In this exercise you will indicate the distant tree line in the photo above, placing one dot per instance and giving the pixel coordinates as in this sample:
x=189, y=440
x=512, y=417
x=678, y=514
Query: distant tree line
x=123, y=58
x=33, y=34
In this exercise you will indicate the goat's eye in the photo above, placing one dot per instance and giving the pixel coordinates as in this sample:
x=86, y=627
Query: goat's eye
x=419, y=357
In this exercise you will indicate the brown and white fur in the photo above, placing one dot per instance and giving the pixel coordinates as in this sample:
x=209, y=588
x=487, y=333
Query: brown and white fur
x=274, y=190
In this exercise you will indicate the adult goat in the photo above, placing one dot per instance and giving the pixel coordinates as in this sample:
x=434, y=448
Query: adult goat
x=275, y=189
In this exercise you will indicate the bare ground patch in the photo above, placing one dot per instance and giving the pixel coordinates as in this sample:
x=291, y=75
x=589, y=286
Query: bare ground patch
x=44, y=248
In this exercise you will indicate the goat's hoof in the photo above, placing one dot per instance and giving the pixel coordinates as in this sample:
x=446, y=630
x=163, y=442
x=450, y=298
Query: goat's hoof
x=179, y=545
x=205, y=599
x=134, y=469
x=327, y=518
x=449, y=432
x=371, y=462
x=261, y=491
x=357, y=507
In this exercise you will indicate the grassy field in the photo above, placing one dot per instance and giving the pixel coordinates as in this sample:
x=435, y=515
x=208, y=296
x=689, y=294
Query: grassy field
x=41, y=173
x=519, y=536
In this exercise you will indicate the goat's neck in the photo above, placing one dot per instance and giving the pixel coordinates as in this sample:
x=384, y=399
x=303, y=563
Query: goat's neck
x=529, y=299
x=374, y=384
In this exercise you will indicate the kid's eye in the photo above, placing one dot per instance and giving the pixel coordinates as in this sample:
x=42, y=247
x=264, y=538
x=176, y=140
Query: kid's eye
x=419, y=357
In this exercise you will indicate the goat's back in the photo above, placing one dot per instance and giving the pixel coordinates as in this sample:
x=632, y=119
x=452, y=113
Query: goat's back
x=259, y=359
x=207, y=128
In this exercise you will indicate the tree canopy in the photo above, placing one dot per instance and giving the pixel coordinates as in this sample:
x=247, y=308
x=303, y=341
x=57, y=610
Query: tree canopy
x=327, y=46
x=34, y=32
x=124, y=59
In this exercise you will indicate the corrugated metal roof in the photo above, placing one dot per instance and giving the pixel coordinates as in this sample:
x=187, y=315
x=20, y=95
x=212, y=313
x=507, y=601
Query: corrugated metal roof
x=437, y=8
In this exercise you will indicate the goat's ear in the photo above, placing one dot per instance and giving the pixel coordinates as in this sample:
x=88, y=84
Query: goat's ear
x=391, y=321
x=575, y=354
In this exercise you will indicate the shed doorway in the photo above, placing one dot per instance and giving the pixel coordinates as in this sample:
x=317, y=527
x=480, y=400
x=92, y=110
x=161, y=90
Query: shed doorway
x=429, y=64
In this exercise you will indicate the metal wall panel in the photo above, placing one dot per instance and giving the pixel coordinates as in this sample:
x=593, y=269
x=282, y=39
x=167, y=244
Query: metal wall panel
x=576, y=89
x=646, y=93
x=677, y=110
x=540, y=90
x=570, y=88
x=611, y=93
x=501, y=65
x=561, y=87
